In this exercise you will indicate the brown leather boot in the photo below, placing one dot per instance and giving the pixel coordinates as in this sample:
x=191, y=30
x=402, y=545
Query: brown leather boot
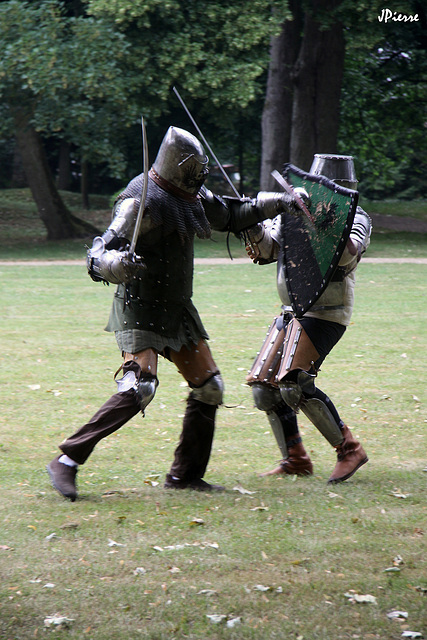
x=297, y=462
x=351, y=456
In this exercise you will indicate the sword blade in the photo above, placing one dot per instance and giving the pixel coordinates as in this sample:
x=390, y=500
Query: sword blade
x=144, y=189
x=221, y=168
x=287, y=187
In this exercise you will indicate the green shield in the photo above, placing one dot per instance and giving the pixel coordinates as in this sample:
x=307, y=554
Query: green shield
x=312, y=248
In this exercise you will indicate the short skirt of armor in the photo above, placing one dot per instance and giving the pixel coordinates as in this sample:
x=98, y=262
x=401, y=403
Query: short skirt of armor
x=292, y=344
x=190, y=331
x=286, y=347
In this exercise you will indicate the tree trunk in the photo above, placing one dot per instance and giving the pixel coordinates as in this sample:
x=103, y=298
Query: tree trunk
x=277, y=112
x=18, y=180
x=58, y=220
x=301, y=111
x=64, y=166
x=317, y=88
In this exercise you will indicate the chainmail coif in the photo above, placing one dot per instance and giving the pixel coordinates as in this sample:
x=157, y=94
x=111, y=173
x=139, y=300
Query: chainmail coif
x=165, y=209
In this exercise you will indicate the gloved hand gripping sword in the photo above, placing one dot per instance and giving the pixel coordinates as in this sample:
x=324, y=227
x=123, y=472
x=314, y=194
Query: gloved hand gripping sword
x=292, y=192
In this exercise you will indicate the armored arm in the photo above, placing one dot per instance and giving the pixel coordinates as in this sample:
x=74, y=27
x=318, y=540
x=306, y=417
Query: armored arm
x=237, y=214
x=359, y=238
x=108, y=260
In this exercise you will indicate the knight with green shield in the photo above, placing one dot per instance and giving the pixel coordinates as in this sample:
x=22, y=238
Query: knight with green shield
x=317, y=255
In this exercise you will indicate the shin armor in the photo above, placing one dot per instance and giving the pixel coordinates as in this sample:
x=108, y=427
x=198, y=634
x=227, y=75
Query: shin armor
x=300, y=394
x=296, y=377
x=280, y=416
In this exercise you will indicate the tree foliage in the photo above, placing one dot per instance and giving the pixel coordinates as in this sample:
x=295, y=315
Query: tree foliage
x=60, y=70
x=384, y=101
x=216, y=53
x=84, y=71
x=216, y=49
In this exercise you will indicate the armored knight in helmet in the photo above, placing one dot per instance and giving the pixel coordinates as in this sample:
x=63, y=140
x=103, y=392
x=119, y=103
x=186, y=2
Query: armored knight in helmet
x=283, y=376
x=152, y=312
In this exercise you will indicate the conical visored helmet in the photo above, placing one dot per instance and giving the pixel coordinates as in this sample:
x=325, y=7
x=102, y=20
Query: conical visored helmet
x=181, y=161
x=340, y=169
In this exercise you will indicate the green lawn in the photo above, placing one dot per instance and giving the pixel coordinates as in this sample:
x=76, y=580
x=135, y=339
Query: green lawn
x=23, y=234
x=271, y=557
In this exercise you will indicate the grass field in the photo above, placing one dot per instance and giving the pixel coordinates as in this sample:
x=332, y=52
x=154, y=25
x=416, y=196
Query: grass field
x=286, y=558
x=130, y=560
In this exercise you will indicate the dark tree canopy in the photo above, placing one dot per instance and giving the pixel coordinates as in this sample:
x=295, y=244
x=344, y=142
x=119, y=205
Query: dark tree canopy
x=76, y=76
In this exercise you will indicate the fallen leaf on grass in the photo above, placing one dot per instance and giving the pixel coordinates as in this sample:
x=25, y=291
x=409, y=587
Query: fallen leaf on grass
x=178, y=547
x=197, y=522
x=152, y=479
x=216, y=618
x=51, y=536
x=33, y=387
x=300, y=561
x=261, y=587
x=397, y=494
x=70, y=525
x=113, y=543
x=58, y=622
x=207, y=592
x=398, y=615
x=260, y=508
x=243, y=491
x=139, y=571
x=233, y=622
x=360, y=599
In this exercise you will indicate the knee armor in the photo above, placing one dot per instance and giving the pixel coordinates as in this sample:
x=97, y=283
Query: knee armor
x=266, y=398
x=210, y=392
x=144, y=385
x=293, y=392
x=146, y=390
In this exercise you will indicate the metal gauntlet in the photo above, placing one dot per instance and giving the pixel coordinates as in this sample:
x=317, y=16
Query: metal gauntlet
x=105, y=263
x=110, y=266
